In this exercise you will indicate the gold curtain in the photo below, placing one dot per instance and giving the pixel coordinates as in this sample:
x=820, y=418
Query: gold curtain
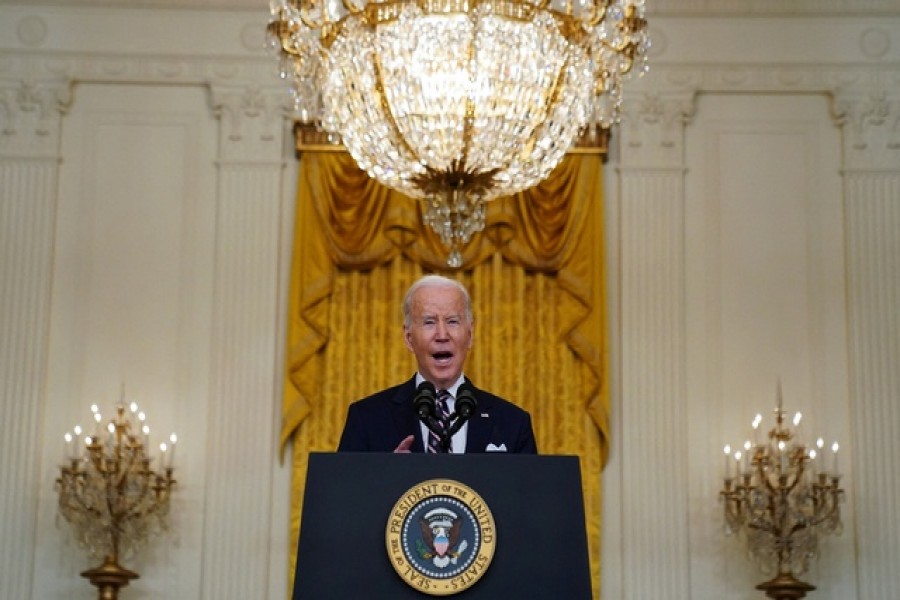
x=536, y=279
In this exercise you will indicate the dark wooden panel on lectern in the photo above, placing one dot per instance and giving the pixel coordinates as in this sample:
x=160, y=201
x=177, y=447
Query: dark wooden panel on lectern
x=536, y=501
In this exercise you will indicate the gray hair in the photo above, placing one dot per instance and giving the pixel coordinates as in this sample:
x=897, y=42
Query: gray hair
x=437, y=281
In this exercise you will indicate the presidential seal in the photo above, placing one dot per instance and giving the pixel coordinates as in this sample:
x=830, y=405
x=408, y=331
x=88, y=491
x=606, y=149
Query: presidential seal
x=440, y=537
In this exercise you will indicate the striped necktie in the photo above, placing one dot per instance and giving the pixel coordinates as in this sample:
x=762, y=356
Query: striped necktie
x=443, y=418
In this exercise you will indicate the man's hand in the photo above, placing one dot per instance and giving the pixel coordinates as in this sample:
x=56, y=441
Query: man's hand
x=405, y=445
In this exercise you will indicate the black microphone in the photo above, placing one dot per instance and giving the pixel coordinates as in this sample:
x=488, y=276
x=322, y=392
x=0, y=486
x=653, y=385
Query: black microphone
x=426, y=407
x=466, y=404
x=424, y=400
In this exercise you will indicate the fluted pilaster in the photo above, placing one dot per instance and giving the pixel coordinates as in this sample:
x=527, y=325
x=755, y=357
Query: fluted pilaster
x=651, y=180
x=236, y=556
x=872, y=209
x=29, y=160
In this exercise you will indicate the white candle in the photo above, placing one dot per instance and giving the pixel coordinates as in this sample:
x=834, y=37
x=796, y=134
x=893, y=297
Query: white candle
x=727, y=451
x=77, y=441
x=68, y=447
x=748, y=456
x=174, y=440
x=162, y=455
x=783, y=458
x=834, y=449
x=756, y=422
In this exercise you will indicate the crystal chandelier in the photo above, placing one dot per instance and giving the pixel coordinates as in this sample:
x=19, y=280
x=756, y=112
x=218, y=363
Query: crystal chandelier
x=111, y=494
x=782, y=496
x=457, y=102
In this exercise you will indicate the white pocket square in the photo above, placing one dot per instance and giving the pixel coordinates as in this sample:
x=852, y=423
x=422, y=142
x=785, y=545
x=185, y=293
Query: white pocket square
x=493, y=448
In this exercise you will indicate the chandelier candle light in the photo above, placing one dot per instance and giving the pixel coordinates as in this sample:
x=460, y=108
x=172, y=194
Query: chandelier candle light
x=457, y=102
x=781, y=496
x=111, y=494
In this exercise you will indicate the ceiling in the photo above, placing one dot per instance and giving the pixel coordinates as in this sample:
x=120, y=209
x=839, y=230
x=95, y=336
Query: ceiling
x=654, y=7
x=261, y=5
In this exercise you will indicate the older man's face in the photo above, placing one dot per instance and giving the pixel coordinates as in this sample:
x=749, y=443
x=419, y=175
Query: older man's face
x=439, y=334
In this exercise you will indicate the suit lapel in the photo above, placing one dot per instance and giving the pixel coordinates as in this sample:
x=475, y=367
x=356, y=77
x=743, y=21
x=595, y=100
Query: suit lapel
x=480, y=425
x=404, y=416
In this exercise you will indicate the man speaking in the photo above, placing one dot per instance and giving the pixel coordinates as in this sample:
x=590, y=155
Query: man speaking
x=437, y=410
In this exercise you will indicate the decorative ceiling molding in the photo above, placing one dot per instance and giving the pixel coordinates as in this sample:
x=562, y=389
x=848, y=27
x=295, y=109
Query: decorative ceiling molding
x=654, y=7
x=863, y=64
x=790, y=78
x=112, y=68
x=245, y=92
x=864, y=102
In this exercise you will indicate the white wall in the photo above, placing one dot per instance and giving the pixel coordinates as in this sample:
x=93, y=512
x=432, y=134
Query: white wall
x=753, y=221
x=147, y=198
x=753, y=210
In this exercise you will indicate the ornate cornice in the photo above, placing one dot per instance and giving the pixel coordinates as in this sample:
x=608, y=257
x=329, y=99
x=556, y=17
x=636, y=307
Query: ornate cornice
x=252, y=122
x=653, y=128
x=865, y=103
x=245, y=92
x=871, y=124
x=30, y=113
x=746, y=77
x=122, y=68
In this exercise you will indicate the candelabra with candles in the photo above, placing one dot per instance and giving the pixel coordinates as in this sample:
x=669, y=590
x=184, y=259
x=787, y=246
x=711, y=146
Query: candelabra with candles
x=781, y=496
x=112, y=494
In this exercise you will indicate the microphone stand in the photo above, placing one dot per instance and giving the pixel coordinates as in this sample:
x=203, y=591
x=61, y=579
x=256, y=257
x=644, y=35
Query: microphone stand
x=433, y=424
x=458, y=420
x=465, y=408
x=447, y=436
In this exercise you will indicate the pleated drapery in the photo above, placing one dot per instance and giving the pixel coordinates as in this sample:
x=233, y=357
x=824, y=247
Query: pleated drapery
x=536, y=277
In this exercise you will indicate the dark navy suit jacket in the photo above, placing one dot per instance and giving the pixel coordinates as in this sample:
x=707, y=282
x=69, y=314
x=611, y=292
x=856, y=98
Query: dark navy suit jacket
x=380, y=422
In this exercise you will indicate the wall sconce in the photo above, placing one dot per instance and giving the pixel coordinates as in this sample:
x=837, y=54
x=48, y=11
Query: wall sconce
x=111, y=494
x=781, y=496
